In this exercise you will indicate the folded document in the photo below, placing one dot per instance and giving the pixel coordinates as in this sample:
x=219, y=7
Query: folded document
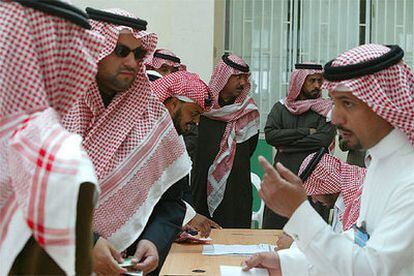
x=237, y=271
x=236, y=249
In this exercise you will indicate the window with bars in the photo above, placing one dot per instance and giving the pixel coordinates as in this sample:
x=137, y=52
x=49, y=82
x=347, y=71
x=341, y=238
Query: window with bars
x=273, y=35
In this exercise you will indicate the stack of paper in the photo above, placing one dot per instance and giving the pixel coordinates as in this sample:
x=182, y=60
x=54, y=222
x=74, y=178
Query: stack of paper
x=236, y=249
x=237, y=271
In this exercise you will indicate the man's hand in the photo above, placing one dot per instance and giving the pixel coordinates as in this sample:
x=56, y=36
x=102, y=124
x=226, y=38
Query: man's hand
x=146, y=257
x=203, y=225
x=281, y=189
x=106, y=259
x=268, y=260
x=312, y=131
x=284, y=241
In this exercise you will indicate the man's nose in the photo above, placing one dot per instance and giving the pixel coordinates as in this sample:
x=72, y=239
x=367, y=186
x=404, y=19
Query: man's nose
x=243, y=81
x=317, y=85
x=130, y=61
x=337, y=117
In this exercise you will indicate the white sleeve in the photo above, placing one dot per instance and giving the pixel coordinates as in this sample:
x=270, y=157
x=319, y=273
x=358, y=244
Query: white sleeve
x=189, y=213
x=389, y=251
x=293, y=262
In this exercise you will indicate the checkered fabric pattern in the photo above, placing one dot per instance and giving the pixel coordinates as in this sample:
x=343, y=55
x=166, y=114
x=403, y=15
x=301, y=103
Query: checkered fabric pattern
x=297, y=79
x=156, y=62
x=47, y=64
x=389, y=92
x=242, y=119
x=133, y=144
x=331, y=176
x=181, y=83
x=221, y=74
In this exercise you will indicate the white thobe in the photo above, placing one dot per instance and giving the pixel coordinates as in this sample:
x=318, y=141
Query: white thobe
x=294, y=262
x=387, y=208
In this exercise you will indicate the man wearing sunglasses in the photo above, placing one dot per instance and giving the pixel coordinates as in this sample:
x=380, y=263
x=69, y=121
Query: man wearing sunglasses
x=137, y=153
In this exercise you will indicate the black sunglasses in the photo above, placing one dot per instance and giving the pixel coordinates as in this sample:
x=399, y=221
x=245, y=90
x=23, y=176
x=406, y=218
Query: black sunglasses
x=123, y=51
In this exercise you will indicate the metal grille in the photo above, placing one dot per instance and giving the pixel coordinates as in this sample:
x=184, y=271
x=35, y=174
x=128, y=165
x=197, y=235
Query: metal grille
x=273, y=35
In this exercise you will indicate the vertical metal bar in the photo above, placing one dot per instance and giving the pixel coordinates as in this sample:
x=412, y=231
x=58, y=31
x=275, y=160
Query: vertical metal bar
x=338, y=29
x=385, y=21
x=281, y=43
x=295, y=34
x=376, y=20
x=404, y=22
x=269, y=106
x=328, y=44
x=309, y=31
x=242, y=30
x=227, y=29
x=290, y=51
x=232, y=28
x=301, y=44
x=395, y=22
x=368, y=22
x=252, y=20
x=261, y=55
x=347, y=26
x=319, y=32
x=404, y=29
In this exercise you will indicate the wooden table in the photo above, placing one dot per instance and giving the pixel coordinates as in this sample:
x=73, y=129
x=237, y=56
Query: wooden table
x=186, y=259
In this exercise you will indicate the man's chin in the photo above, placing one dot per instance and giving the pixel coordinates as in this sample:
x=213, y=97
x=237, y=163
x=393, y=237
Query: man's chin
x=354, y=145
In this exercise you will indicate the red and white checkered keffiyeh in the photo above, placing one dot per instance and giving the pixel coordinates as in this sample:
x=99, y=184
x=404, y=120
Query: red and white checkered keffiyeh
x=242, y=119
x=297, y=79
x=133, y=144
x=181, y=84
x=47, y=63
x=152, y=62
x=389, y=92
x=331, y=176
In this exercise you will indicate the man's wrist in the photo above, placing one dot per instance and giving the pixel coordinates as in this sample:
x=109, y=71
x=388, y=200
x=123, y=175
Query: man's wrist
x=304, y=224
x=296, y=206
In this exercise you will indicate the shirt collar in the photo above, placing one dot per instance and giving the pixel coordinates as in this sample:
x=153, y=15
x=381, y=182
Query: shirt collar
x=392, y=142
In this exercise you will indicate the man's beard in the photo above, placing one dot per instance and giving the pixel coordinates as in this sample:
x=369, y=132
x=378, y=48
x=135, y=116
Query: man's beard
x=314, y=94
x=357, y=146
x=176, y=121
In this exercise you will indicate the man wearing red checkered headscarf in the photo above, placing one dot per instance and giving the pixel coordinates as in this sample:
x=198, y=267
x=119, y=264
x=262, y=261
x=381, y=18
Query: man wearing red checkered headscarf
x=373, y=93
x=227, y=138
x=336, y=184
x=162, y=63
x=332, y=178
x=186, y=96
x=48, y=59
x=297, y=126
x=136, y=151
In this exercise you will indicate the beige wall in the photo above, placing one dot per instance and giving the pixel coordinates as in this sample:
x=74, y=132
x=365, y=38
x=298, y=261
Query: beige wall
x=184, y=26
x=219, y=28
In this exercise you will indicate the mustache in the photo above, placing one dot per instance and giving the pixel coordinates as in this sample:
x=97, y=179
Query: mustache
x=339, y=127
x=316, y=91
x=126, y=69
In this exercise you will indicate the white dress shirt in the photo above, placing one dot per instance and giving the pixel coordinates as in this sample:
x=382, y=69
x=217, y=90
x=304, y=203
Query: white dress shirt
x=387, y=208
x=294, y=262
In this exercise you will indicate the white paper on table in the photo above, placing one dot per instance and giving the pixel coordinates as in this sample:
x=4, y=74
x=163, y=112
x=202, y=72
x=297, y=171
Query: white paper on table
x=226, y=270
x=236, y=249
